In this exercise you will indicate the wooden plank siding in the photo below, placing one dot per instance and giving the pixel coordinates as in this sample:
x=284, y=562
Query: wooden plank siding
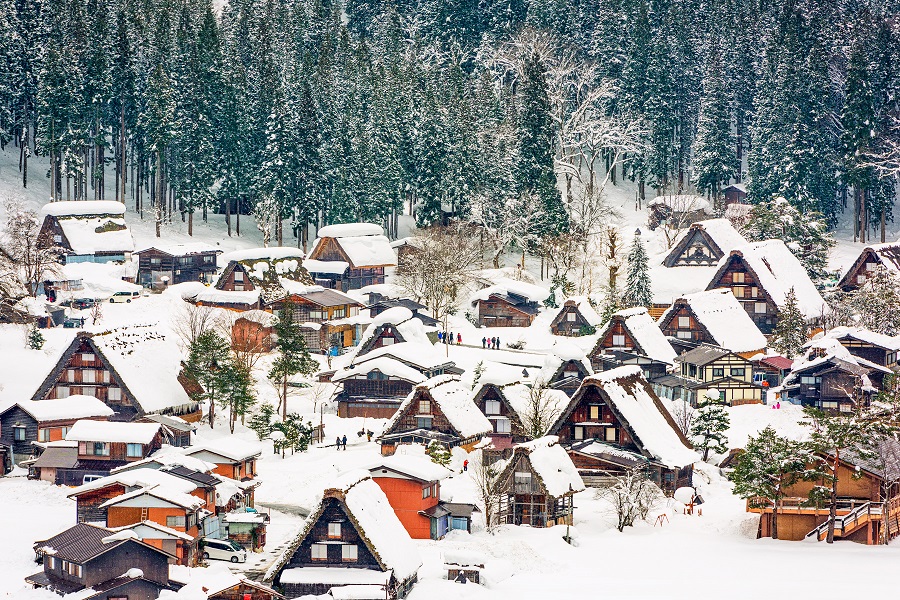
x=497, y=312
x=752, y=296
x=154, y=264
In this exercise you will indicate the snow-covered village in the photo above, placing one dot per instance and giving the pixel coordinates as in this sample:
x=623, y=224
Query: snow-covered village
x=488, y=300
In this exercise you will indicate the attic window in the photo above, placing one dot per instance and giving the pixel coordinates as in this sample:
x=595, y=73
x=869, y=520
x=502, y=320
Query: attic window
x=238, y=276
x=424, y=406
x=492, y=407
x=349, y=553
x=334, y=530
x=319, y=552
x=618, y=340
x=570, y=317
x=684, y=322
x=737, y=278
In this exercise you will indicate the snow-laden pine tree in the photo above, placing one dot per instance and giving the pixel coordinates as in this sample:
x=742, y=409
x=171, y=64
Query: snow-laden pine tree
x=877, y=302
x=791, y=331
x=711, y=423
x=713, y=159
x=638, y=290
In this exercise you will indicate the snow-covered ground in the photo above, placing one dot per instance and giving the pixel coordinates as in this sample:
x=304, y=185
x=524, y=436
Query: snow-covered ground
x=711, y=556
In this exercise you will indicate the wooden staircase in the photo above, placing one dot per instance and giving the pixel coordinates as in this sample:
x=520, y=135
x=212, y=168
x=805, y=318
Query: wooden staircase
x=853, y=521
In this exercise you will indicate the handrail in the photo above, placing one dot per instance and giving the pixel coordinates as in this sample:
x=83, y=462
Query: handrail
x=842, y=521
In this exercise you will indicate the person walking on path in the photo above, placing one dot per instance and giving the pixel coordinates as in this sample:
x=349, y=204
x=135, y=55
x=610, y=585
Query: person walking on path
x=344, y=442
x=459, y=339
x=484, y=342
x=337, y=442
x=498, y=343
x=466, y=465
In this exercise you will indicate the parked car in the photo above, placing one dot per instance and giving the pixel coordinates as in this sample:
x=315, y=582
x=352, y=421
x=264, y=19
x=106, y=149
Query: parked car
x=80, y=303
x=124, y=296
x=224, y=550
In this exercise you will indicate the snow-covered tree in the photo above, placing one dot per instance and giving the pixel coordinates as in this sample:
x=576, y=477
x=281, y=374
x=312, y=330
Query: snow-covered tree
x=637, y=287
x=541, y=411
x=713, y=159
x=632, y=496
x=877, y=302
x=791, y=330
x=711, y=423
x=293, y=354
x=207, y=364
x=768, y=466
x=35, y=338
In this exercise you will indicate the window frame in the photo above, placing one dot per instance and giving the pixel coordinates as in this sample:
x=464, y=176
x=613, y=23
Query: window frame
x=318, y=549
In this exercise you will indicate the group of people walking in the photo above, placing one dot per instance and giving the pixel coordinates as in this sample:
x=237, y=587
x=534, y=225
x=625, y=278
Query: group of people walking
x=447, y=338
x=493, y=343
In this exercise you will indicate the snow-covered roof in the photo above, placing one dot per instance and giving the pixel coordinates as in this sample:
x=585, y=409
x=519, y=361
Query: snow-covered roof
x=181, y=249
x=111, y=431
x=631, y=396
x=148, y=362
x=262, y=317
x=332, y=267
x=720, y=231
x=212, y=295
x=585, y=308
x=682, y=202
x=403, y=321
x=454, y=401
x=152, y=530
x=262, y=254
x=552, y=464
x=418, y=467
x=137, y=478
x=519, y=397
x=864, y=335
x=83, y=208
x=646, y=334
x=92, y=234
x=343, y=230
x=202, y=583
x=336, y=576
x=423, y=356
x=231, y=448
x=777, y=271
x=364, y=244
x=830, y=350
x=503, y=287
x=723, y=317
x=73, y=407
x=385, y=364
x=169, y=456
x=165, y=493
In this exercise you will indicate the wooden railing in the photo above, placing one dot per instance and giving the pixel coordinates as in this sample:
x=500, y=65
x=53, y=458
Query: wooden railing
x=848, y=523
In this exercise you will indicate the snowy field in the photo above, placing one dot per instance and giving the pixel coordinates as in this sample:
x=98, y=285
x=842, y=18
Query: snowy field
x=713, y=556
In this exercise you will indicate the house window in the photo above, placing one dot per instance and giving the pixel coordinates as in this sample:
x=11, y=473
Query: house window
x=610, y=434
x=692, y=370
x=317, y=315
x=594, y=412
x=810, y=380
x=860, y=279
x=831, y=405
x=618, y=340
x=348, y=553
x=759, y=308
x=426, y=492
x=334, y=530
x=339, y=313
x=492, y=407
x=57, y=239
x=238, y=276
x=684, y=322
x=570, y=317
x=114, y=394
x=87, y=357
x=522, y=481
x=134, y=451
x=737, y=278
x=579, y=432
x=175, y=521
x=208, y=259
x=718, y=372
x=737, y=371
x=503, y=425
x=89, y=376
x=100, y=449
x=754, y=292
x=319, y=552
x=53, y=563
x=19, y=433
x=683, y=335
x=185, y=260
x=70, y=375
x=43, y=435
x=89, y=390
x=424, y=406
x=423, y=422
x=846, y=408
x=387, y=341
x=738, y=292
x=376, y=375
x=238, y=287
x=62, y=391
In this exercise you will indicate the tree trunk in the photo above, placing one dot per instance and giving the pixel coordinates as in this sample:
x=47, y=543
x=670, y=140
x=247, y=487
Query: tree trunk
x=212, y=413
x=284, y=385
x=191, y=223
x=832, y=503
x=775, y=520
x=228, y=214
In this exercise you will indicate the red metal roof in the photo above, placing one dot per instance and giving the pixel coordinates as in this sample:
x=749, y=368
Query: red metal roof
x=779, y=362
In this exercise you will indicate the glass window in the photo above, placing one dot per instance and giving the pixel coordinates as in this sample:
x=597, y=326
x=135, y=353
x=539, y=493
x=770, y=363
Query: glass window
x=692, y=370
x=387, y=341
x=62, y=391
x=423, y=422
x=114, y=394
x=754, y=292
x=89, y=376
x=319, y=552
x=618, y=340
x=737, y=371
x=238, y=287
x=19, y=433
x=317, y=315
x=155, y=261
x=175, y=521
x=208, y=259
x=134, y=451
x=43, y=435
x=87, y=357
x=738, y=292
x=759, y=308
x=737, y=277
x=238, y=276
x=339, y=313
x=424, y=406
x=829, y=405
x=579, y=433
x=426, y=492
x=610, y=434
x=683, y=335
x=684, y=322
x=100, y=449
x=348, y=553
x=718, y=372
x=595, y=413
x=503, y=425
x=492, y=407
x=334, y=530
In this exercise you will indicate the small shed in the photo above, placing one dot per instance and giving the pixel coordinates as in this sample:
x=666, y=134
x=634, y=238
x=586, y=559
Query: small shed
x=247, y=527
x=462, y=564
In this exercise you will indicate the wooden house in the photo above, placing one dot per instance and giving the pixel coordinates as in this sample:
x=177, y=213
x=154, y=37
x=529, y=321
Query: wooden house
x=378, y=303
x=501, y=405
x=712, y=317
x=632, y=337
x=704, y=243
x=576, y=317
x=255, y=278
x=176, y=431
x=105, y=445
x=438, y=410
x=760, y=275
x=615, y=421
x=408, y=249
x=163, y=265
x=86, y=556
x=537, y=484
x=412, y=486
x=233, y=458
x=248, y=528
x=874, y=347
x=134, y=370
x=55, y=463
x=175, y=542
x=885, y=255
x=325, y=308
x=86, y=231
x=253, y=331
x=736, y=193
x=567, y=368
x=217, y=582
x=350, y=256
x=829, y=377
x=28, y=421
x=508, y=304
x=352, y=538
x=868, y=509
x=393, y=326
x=679, y=208
x=710, y=367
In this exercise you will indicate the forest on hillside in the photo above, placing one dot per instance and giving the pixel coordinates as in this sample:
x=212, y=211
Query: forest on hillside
x=316, y=111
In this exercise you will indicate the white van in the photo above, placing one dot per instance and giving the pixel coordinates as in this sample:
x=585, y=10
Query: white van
x=224, y=550
x=124, y=296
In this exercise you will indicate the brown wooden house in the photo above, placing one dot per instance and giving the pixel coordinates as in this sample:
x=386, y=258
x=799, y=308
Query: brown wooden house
x=709, y=367
x=28, y=421
x=161, y=266
x=86, y=231
x=133, y=370
x=378, y=303
x=760, y=275
x=508, y=306
x=344, y=542
x=632, y=337
x=886, y=255
x=704, y=243
x=350, y=256
x=569, y=373
x=874, y=347
x=324, y=308
x=106, y=445
x=495, y=402
x=624, y=421
x=86, y=556
x=438, y=410
x=538, y=484
x=233, y=459
x=712, y=317
x=576, y=317
x=868, y=510
x=736, y=193
x=217, y=582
